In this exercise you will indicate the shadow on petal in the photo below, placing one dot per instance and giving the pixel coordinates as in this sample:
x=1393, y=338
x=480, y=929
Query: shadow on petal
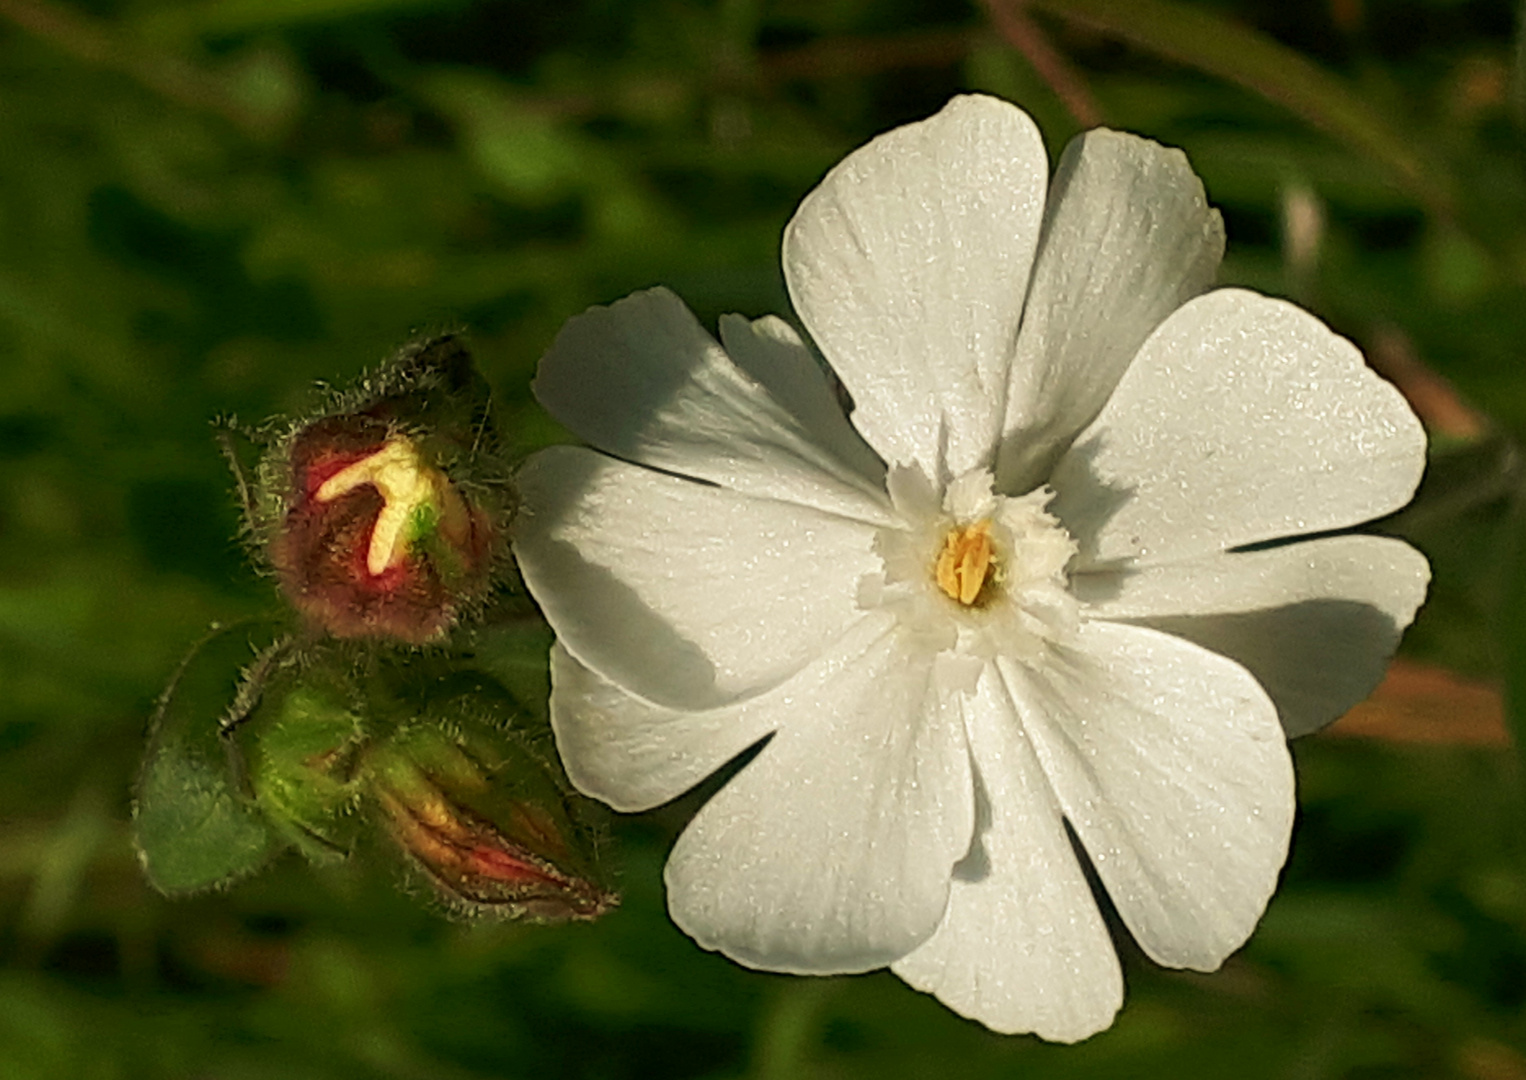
x=1315, y=659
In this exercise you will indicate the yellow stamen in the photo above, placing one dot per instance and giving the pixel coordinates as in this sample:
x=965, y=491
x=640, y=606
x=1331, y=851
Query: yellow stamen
x=406, y=484
x=965, y=562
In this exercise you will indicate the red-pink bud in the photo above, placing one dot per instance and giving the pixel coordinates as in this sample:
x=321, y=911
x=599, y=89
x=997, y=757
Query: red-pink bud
x=493, y=839
x=383, y=518
x=473, y=863
x=377, y=543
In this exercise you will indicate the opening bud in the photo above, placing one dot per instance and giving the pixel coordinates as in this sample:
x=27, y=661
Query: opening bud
x=385, y=516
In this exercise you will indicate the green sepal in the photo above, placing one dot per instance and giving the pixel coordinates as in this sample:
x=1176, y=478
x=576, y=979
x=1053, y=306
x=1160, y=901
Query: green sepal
x=194, y=825
x=514, y=651
x=305, y=739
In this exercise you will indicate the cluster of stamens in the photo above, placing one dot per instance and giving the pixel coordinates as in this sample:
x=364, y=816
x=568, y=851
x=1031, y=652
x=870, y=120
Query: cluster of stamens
x=970, y=573
x=966, y=565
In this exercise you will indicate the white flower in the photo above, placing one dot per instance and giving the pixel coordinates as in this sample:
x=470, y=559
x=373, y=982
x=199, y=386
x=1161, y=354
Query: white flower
x=1056, y=604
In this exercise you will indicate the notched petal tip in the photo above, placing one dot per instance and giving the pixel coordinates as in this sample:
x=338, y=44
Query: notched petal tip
x=562, y=376
x=832, y=851
x=1128, y=237
x=907, y=265
x=1242, y=419
x=635, y=755
x=1171, y=766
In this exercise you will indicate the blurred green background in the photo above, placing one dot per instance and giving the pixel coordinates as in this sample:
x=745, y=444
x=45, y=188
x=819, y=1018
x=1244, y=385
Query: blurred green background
x=205, y=206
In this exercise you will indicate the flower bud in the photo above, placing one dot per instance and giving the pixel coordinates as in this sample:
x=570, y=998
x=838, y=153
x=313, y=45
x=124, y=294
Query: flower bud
x=484, y=821
x=306, y=738
x=384, y=517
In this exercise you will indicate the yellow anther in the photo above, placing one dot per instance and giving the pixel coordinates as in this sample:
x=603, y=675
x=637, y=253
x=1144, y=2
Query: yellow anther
x=405, y=484
x=965, y=562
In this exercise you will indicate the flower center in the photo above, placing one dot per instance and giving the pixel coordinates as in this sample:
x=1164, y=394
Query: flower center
x=413, y=498
x=972, y=575
x=965, y=565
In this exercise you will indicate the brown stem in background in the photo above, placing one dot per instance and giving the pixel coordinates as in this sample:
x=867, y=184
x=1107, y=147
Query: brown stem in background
x=1011, y=20
x=1393, y=355
x=1200, y=38
x=92, y=42
x=1418, y=703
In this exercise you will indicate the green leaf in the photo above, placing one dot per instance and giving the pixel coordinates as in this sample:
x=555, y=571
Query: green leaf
x=193, y=827
x=1238, y=54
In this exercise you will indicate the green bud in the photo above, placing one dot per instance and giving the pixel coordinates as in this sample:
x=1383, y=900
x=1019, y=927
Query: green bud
x=306, y=742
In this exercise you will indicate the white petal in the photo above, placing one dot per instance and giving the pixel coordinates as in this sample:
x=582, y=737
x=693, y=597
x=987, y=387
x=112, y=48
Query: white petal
x=1242, y=419
x=908, y=266
x=1023, y=947
x=769, y=350
x=685, y=594
x=832, y=850
x=1128, y=238
x=1315, y=622
x=1175, y=774
x=642, y=380
x=635, y=755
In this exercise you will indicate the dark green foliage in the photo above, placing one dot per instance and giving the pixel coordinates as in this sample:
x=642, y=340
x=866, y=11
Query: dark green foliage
x=195, y=826
x=267, y=740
